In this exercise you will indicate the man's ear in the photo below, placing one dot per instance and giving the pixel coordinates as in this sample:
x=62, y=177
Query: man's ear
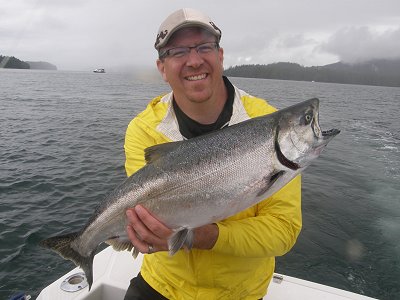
x=221, y=56
x=161, y=69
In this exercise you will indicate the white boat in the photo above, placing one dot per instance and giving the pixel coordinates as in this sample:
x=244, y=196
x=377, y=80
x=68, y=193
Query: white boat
x=113, y=270
x=99, y=70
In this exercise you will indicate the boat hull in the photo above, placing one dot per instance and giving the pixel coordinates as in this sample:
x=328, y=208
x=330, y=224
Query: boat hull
x=113, y=271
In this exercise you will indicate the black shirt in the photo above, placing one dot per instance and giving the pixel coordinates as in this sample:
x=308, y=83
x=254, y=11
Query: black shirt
x=190, y=128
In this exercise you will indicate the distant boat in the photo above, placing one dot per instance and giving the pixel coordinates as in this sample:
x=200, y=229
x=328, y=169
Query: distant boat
x=99, y=71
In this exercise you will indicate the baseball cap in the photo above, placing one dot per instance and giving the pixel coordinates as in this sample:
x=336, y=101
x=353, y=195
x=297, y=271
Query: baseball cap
x=185, y=17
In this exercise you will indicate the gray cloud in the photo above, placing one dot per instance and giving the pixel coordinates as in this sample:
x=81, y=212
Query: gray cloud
x=86, y=34
x=357, y=44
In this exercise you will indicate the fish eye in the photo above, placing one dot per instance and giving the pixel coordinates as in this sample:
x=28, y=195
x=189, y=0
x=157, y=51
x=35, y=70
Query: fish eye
x=308, y=118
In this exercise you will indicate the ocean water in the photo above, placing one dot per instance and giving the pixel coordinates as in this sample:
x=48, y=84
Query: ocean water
x=61, y=145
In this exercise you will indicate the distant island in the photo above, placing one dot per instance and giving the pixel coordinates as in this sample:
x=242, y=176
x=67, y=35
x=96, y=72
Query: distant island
x=41, y=65
x=374, y=72
x=10, y=62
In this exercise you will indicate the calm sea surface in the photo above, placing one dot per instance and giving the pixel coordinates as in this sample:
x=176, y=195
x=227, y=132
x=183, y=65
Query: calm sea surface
x=61, y=151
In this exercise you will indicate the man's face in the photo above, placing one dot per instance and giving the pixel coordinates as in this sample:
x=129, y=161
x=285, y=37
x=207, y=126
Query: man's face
x=195, y=76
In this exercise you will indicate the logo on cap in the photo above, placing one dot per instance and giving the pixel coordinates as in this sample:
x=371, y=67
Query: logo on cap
x=161, y=36
x=215, y=27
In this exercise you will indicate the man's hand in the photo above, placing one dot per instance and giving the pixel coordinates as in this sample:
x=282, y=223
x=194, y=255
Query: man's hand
x=148, y=235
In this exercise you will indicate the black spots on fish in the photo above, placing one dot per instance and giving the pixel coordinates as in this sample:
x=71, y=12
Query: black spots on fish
x=268, y=181
x=281, y=157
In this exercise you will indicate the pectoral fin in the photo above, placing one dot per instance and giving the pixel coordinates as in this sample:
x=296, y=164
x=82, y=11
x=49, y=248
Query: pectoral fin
x=268, y=181
x=182, y=238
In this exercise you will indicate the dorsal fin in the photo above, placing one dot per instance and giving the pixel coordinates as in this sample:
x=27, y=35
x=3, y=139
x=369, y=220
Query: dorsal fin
x=151, y=154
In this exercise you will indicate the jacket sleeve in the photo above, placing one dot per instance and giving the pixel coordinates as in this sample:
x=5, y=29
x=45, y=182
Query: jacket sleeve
x=136, y=141
x=271, y=231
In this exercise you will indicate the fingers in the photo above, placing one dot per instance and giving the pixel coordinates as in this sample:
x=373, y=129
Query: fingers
x=155, y=226
x=146, y=233
x=139, y=245
x=134, y=237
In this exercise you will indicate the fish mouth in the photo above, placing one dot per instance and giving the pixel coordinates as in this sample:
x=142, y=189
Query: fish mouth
x=329, y=134
x=326, y=135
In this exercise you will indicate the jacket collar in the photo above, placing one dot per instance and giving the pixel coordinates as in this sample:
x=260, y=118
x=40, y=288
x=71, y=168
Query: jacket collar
x=169, y=124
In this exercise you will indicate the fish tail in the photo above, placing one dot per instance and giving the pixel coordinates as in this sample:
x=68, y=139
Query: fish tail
x=62, y=245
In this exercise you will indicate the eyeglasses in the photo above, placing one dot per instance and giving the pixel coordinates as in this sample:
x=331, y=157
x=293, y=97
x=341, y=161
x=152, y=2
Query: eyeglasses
x=181, y=52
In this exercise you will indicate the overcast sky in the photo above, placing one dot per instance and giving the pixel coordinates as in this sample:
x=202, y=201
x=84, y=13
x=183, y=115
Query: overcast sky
x=88, y=34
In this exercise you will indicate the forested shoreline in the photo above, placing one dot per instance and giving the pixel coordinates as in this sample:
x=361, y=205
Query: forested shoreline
x=374, y=72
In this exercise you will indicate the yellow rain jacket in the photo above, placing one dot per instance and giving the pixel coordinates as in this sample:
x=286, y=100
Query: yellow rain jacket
x=241, y=264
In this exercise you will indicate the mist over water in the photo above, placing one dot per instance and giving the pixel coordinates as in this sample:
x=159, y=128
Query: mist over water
x=61, y=144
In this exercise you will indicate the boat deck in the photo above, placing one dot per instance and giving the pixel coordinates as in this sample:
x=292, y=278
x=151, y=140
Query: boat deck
x=113, y=270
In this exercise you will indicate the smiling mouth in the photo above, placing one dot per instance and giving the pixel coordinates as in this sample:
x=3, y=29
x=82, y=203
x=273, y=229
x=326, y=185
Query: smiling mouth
x=196, y=77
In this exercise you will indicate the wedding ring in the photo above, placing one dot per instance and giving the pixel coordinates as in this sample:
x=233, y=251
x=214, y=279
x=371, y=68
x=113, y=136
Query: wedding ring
x=151, y=249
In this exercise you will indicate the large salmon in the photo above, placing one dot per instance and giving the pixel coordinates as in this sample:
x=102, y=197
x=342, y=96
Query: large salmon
x=203, y=180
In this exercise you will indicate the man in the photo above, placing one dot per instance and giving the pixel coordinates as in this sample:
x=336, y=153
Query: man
x=233, y=259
